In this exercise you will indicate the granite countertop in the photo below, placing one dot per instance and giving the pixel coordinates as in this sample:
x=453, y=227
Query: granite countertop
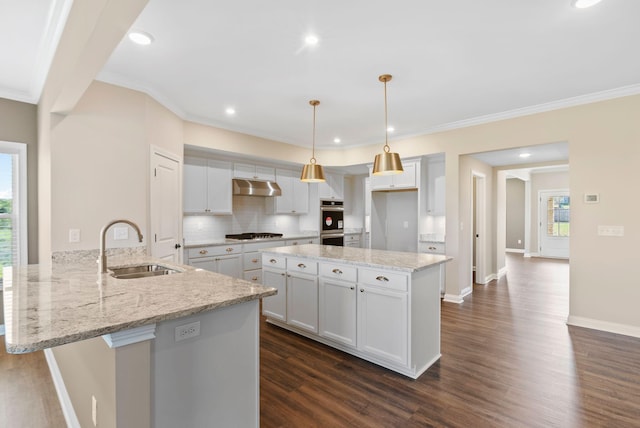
x=363, y=257
x=52, y=304
x=224, y=241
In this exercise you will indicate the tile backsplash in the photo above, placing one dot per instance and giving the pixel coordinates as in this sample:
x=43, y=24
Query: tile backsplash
x=250, y=214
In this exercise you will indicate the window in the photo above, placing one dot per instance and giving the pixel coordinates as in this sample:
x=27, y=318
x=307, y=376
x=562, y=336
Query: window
x=13, y=213
x=558, y=211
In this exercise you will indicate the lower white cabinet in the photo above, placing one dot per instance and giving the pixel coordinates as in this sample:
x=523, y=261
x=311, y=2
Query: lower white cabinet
x=275, y=306
x=383, y=323
x=224, y=259
x=302, y=301
x=337, y=306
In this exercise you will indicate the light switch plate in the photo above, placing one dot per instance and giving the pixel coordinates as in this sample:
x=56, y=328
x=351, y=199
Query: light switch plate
x=611, y=230
x=74, y=235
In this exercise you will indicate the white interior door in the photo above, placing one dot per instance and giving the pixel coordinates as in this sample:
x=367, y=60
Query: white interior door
x=166, y=207
x=554, y=211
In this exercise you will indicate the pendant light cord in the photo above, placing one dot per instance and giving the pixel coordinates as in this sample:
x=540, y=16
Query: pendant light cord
x=386, y=126
x=314, y=103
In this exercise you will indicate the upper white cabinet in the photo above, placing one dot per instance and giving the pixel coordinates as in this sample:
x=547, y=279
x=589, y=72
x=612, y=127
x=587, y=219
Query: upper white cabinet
x=253, y=172
x=295, y=193
x=333, y=188
x=436, y=186
x=407, y=180
x=207, y=186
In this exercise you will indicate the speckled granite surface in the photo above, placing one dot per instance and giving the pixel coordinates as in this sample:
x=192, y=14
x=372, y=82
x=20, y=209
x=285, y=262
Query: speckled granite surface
x=52, y=304
x=394, y=260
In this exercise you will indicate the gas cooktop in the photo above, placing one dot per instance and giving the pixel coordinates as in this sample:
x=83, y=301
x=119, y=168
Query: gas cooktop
x=253, y=235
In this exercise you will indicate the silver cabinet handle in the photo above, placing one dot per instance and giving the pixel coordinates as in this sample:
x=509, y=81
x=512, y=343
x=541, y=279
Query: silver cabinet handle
x=273, y=261
x=432, y=248
x=302, y=266
x=337, y=271
x=382, y=278
x=203, y=251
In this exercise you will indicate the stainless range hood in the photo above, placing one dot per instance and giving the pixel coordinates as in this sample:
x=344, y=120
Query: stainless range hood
x=255, y=187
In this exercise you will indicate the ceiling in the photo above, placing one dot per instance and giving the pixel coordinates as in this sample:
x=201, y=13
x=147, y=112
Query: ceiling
x=454, y=63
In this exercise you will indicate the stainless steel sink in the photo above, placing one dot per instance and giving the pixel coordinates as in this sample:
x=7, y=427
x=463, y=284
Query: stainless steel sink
x=141, y=271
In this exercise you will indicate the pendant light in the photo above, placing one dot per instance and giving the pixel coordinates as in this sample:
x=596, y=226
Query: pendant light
x=312, y=172
x=386, y=163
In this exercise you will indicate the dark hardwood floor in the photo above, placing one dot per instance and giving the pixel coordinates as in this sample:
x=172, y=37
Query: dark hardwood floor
x=508, y=360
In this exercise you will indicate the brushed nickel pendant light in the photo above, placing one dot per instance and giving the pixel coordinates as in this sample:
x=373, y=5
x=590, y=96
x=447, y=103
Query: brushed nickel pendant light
x=313, y=172
x=386, y=163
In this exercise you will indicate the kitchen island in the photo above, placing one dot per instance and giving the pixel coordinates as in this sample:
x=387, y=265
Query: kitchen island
x=382, y=306
x=170, y=350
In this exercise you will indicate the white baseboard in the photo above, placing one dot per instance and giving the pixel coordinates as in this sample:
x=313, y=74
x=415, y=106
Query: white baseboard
x=610, y=327
x=453, y=298
x=466, y=291
x=61, y=389
x=502, y=272
x=527, y=255
x=514, y=250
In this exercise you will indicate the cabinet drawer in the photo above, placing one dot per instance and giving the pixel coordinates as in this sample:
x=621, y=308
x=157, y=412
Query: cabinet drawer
x=301, y=241
x=432, y=247
x=278, y=262
x=302, y=265
x=251, y=261
x=383, y=278
x=337, y=271
x=215, y=250
x=254, y=276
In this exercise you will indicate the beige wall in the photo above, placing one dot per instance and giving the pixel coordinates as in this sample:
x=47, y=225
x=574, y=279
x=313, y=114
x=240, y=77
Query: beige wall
x=515, y=213
x=18, y=124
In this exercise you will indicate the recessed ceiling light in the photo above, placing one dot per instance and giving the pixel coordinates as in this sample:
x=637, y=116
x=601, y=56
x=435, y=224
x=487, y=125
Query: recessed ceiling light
x=230, y=111
x=140, y=38
x=337, y=140
x=524, y=155
x=583, y=4
x=311, y=40
x=391, y=129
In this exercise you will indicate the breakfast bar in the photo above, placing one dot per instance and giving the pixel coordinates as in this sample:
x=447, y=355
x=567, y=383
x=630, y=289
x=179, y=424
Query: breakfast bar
x=382, y=306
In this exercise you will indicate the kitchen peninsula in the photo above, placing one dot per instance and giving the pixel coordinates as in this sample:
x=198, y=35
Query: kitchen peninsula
x=382, y=306
x=180, y=349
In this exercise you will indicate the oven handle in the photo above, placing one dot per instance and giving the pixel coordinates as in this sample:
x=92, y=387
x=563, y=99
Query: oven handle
x=331, y=235
x=341, y=209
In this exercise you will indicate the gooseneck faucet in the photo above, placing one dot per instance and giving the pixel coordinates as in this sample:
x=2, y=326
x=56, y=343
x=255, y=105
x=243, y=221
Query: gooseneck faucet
x=102, y=260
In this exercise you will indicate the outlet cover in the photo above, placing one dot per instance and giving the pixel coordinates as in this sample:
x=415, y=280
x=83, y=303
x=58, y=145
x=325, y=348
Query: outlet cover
x=120, y=233
x=74, y=235
x=188, y=330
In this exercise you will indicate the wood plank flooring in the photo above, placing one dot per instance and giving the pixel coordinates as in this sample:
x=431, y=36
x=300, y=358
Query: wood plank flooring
x=509, y=360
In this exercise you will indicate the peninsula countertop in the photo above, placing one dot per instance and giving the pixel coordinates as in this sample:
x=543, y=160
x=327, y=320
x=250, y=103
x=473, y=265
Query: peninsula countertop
x=57, y=303
x=394, y=260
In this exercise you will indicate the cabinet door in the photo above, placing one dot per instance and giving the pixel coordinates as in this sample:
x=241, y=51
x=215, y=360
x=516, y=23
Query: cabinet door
x=230, y=266
x=206, y=263
x=337, y=305
x=337, y=186
x=407, y=179
x=195, y=185
x=383, y=323
x=302, y=301
x=300, y=203
x=381, y=182
x=324, y=189
x=243, y=170
x=219, y=192
x=275, y=306
x=284, y=203
x=265, y=173
x=254, y=276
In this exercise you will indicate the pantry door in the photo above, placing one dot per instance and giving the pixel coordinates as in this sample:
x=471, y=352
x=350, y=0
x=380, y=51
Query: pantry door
x=555, y=210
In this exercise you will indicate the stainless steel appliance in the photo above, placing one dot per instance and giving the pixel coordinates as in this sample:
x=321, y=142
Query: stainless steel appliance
x=252, y=236
x=332, y=222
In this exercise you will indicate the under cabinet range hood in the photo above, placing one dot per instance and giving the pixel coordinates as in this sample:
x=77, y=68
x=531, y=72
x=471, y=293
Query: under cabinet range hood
x=255, y=187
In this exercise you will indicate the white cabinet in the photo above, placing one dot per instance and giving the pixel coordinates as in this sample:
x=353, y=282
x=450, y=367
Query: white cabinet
x=337, y=303
x=207, y=186
x=275, y=306
x=408, y=179
x=253, y=172
x=302, y=301
x=383, y=323
x=224, y=259
x=436, y=189
x=333, y=188
x=431, y=247
x=295, y=193
x=352, y=240
x=302, y=241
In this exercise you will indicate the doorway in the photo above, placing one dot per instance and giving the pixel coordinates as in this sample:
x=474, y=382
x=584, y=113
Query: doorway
x=554, y=226
x=478, y=220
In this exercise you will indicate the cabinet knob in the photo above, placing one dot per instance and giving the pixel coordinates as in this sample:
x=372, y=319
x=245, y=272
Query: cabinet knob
x=293, y=211
x=282, y=274
x=255, y=278
x=203, y=251
x=362, y=290
x=352, y=288
x=273, y=261
x=254, y=260
x=382, y=278
x=294, y=243
x=302, y=266
x=229, y=250
x=337, y=271
x=432, y=248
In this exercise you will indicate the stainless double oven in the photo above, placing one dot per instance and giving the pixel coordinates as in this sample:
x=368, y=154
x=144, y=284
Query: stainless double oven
x=332, y=222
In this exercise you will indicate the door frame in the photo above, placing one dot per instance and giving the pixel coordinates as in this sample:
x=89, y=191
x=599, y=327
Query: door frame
x=157, y=151
x=559, y=192
x=479, y=208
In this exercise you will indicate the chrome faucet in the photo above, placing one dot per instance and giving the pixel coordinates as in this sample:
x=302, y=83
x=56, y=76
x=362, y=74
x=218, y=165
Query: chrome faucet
x=102, y=260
